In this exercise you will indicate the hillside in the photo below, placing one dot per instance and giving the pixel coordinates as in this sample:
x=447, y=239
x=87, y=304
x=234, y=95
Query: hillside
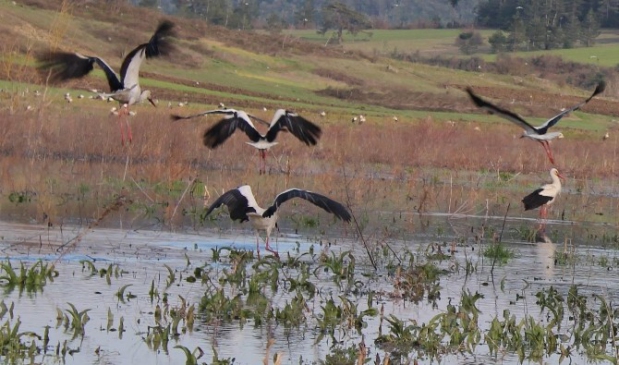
x=253, y=70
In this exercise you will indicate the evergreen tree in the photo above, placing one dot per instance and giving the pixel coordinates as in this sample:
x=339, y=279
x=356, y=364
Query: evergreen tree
x=590, y=29
x=571, y=31
x=536, y=33
x=306, y=14
x=517, y=39
x=498, y=42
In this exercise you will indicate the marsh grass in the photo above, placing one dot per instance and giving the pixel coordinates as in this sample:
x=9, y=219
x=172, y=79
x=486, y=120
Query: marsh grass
x=499, y=252
x=57, y=166
x=30, y=279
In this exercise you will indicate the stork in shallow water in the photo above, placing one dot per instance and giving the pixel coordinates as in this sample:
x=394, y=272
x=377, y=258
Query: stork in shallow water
x=545, y=195
x=242, y=206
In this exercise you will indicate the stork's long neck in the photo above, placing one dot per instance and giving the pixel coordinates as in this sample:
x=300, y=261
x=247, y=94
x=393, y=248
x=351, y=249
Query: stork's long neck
x=556, y=182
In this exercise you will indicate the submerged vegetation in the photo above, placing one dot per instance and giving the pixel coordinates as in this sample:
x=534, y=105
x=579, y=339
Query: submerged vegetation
x=339, y=302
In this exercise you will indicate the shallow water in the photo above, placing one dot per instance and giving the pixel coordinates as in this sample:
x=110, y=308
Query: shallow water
x=143, y=254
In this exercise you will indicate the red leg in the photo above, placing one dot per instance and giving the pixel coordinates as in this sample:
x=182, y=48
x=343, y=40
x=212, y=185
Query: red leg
x=122, y=131
x=548, y=151
x=268, y=248
x=263, y=157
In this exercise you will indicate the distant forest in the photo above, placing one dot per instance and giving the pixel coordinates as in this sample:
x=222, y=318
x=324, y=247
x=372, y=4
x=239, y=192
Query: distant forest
x=308, y=13
x=520, y=24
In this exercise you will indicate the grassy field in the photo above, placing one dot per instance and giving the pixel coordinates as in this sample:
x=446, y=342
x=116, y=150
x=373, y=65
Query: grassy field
x=425, y=41
x=431, y=42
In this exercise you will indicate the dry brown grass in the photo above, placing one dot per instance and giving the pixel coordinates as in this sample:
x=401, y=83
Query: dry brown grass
x=404, y=170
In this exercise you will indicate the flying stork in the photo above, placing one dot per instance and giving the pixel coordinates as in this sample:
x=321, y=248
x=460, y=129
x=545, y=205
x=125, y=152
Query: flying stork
x=540, y=133
x=62, y=66
x=283, y=120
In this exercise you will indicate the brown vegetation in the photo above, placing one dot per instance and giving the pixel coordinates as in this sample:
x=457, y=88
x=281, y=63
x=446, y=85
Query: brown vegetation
x=58, y=151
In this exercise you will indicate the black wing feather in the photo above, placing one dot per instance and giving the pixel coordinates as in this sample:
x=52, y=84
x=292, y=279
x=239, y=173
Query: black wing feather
x=112, y=79
x=222, y=130
x=236, y=203
x=159, y=45
x=493, y=109
x=598, y=89
x=64, y=65
x=535, y=200
x=306, y=131
x=319, y=200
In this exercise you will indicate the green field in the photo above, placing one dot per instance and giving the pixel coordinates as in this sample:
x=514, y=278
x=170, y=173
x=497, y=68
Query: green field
x=432, y=42
x=426, y=41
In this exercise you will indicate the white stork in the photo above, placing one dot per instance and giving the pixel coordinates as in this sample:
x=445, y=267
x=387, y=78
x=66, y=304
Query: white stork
x=283, y=120
x=540, y=133
x=242, y=206
x=545, y=195
x=126, y=89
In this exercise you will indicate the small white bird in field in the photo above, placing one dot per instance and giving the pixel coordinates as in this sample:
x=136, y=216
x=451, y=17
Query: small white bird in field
x=323, y=114
x=242, y=206
x=361, y=119
x=395, y=119
x=354, y=119
x=606, y=136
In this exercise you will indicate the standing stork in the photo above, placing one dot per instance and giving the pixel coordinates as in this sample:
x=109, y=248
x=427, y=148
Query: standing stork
x=283, y=120
x=242, y=206
x=540, y=133
x=126, y=89
x=544, y=196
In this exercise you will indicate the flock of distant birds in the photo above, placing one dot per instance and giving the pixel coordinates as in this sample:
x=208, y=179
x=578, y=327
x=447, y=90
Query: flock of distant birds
x=58, y=66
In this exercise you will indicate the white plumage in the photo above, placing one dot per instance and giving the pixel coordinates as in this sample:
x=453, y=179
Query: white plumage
x=544, y=196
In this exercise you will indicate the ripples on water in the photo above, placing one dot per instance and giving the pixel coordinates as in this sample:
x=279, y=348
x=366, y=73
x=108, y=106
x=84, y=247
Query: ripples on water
x=143, y=255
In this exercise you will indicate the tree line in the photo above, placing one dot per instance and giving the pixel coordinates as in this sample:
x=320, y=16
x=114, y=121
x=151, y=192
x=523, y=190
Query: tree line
x=521, y=24
x=246, y=14
x=546, y=24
